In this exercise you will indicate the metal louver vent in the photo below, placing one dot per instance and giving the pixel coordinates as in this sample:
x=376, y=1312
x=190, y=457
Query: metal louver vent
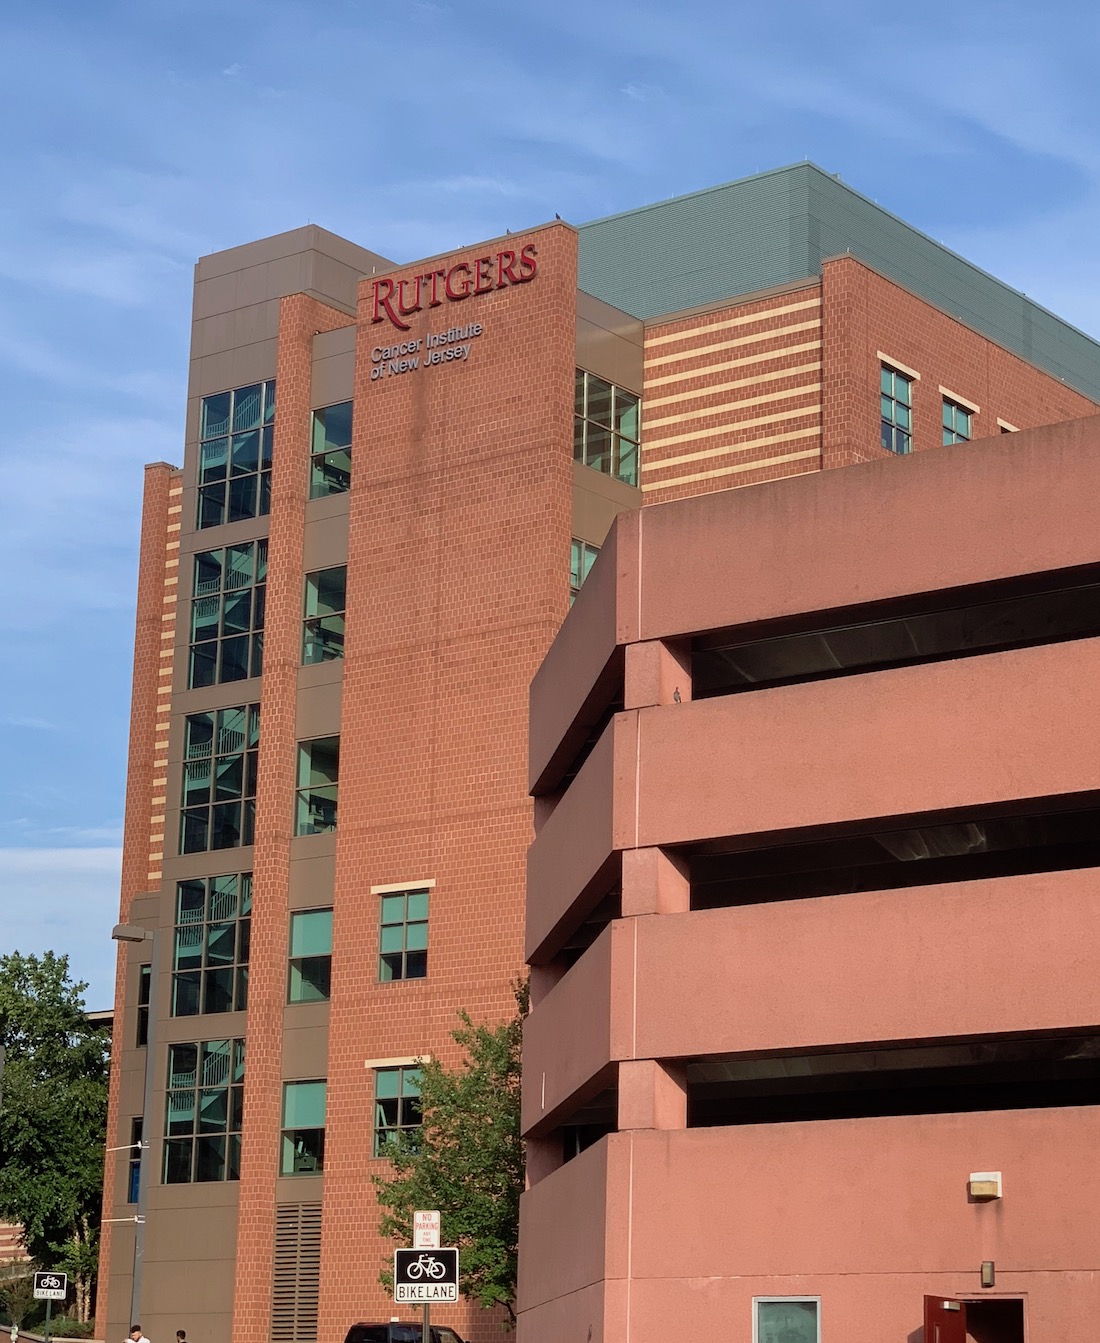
x=297, y=1273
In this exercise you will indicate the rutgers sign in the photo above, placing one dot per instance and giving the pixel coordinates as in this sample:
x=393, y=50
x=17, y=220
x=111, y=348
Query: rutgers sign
x=400, y=299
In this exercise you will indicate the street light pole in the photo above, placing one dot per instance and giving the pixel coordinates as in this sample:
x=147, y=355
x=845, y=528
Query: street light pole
x=132, y=932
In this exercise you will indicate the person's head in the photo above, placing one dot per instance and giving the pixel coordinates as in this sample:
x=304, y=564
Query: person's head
x=135, y=1331
x=181, y=1336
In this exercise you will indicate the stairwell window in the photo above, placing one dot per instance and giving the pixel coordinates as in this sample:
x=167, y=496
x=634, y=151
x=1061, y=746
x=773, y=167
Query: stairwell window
x=897, y=410
x=236, y=433
x=220, y=753
x=786, y=1319
x=210, y=945
x=227, y=614
x=202, y=1132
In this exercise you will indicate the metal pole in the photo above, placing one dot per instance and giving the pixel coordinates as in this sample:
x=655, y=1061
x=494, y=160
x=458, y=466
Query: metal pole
x=49, y=1307
x=425, y=1333
x=145, y=1155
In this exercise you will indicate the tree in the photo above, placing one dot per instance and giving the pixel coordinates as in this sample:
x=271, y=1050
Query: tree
x=53, y=1116
x=17, y=1291
x=466, y=1159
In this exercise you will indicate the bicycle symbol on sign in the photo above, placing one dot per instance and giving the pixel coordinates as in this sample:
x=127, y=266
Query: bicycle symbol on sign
x=426, y=1266
x=49, y=1280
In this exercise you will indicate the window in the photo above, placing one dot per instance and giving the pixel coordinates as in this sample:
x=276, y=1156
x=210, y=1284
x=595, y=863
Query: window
x=133, y=1173
x=605, y=428
x=786, y=1319
x=227, y=614
x=303, y=1128
x=235, y=436
x=581, y=558
x=318, y=769
x=396, y=1104
x=310, y=956
x=203, y=1115
x=145, y=983
x=897, y=411
x=330, y=466
x=219, y=779
x=956, y=422
x=403, y=945
x=323, y=639
x=210, y=955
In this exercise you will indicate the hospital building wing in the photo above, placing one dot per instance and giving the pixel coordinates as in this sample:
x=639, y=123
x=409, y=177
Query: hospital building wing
x=767, y=704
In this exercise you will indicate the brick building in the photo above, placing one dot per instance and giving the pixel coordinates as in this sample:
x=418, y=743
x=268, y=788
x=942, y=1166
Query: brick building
x=394, y=479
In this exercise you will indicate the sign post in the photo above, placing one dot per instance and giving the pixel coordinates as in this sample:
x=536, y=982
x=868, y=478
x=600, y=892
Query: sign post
x=426, y=1223
x=50, y=1287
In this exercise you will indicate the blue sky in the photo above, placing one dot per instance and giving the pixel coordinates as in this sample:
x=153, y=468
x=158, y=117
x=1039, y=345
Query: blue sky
x=140, y=134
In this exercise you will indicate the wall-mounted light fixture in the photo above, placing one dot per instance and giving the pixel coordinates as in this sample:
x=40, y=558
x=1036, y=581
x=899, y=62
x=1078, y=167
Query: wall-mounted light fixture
x=989, y=1273
x=985, y=1184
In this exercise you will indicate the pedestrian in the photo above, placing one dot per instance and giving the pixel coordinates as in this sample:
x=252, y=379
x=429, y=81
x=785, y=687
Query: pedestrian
x=181, y=1336
x=136, y=1336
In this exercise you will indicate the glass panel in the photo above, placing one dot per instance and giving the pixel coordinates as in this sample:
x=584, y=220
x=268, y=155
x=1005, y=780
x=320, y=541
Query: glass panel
x=886, y=382
x=416, y=937
x=238, y=566
x=393, y=909
x=213, y=1110
x=902, y=389
x=418, y=905
x=786, y=1321
x=304, y=1105
x=393, y=938
x=248, y=407
x=626, y=468
x=390, y=967
x=210, y=1159
x=194, y=831
x=234, y=659
x=578, y=392
x=303, y=1151
x=386, y=1082
x=233, y=1165
x=416, y=965
x=599, y=400
x=330, y=474
x=219, y=991
x=199, y=736
x=269, y=401
x=626, y=414
x=332, y=427
x=215, y=415
x=177, y=1161
x=213, y=461
x=242, y=498
x=208, y=573
x=190, y=901
x=225, y=826
x=246, y=453
x=319, y=762
x=316, y=811
x=578, y=440
x=310, y=980
x=311, y=933
x=185, y=994
x=211, y=505
x=326, y=591
x=182, y=1063
x=598, y=448
x=188, y=948
x=180, y=1113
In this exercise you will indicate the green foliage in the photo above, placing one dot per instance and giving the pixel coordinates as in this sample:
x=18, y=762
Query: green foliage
x=17, y=1291
x=467, y=1159
x=53, y=1115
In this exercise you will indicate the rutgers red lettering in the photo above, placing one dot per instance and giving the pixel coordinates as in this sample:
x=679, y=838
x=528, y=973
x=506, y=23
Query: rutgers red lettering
x=482, y=276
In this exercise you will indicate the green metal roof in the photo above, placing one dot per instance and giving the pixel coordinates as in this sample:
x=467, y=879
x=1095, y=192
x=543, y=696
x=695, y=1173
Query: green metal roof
x=778, y=227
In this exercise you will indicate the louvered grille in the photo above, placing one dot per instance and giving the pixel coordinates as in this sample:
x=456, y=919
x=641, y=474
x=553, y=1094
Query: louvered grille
x=297, y=1273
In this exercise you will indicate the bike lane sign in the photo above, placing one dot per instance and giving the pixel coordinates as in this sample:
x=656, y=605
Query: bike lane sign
x=51, y=1286
x=423, y=1277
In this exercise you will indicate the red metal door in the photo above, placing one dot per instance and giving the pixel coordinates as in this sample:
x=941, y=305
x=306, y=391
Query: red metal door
x=944, y=1321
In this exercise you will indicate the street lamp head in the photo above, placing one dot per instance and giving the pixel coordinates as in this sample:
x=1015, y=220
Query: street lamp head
x=130, y=932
